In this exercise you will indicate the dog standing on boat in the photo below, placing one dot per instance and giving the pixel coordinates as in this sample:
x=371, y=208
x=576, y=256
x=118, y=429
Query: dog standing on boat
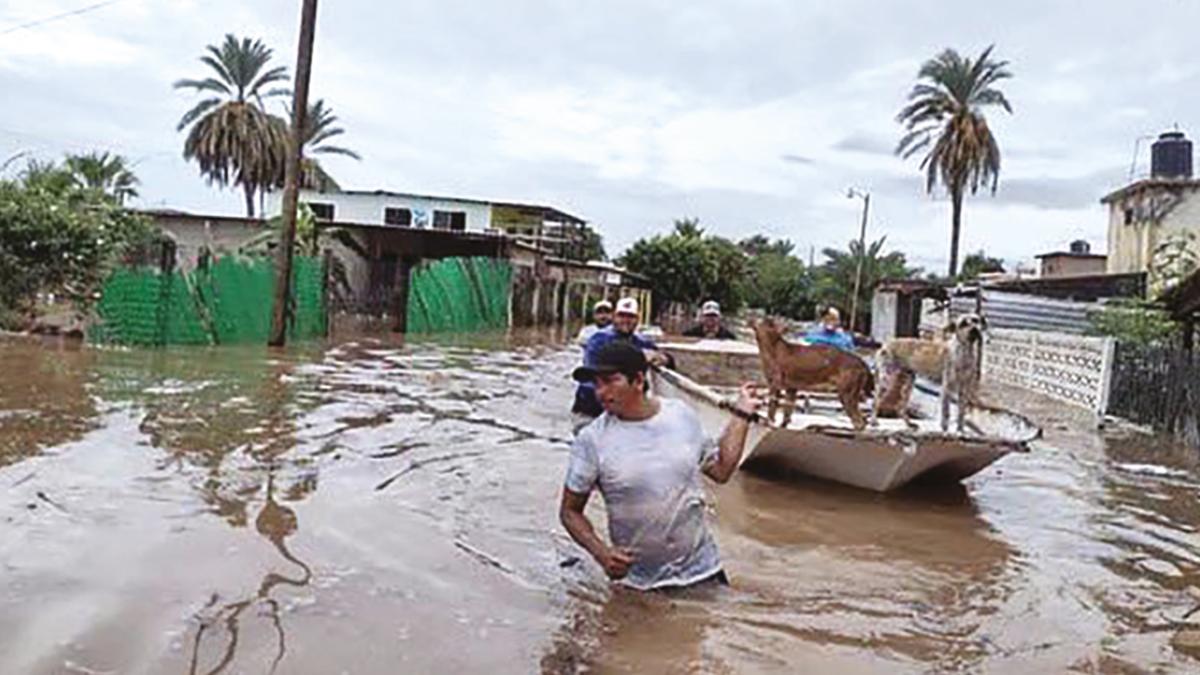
x=792, y=367
x=952, y=359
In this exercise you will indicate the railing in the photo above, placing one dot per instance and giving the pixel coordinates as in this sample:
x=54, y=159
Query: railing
x=1159, y=387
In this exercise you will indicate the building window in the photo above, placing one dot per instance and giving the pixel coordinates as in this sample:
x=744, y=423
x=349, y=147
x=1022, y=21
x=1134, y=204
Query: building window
x=397, y=216
x=1128, y=216
x=450, y=220
x=321, y=210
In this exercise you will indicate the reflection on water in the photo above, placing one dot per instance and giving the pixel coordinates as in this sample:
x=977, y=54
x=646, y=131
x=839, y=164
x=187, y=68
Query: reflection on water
x=403, y=500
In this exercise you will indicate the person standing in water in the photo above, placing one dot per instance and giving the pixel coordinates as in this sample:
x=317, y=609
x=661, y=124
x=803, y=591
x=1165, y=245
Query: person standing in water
x=710, y=327
x=623, y=329
x=645, y=455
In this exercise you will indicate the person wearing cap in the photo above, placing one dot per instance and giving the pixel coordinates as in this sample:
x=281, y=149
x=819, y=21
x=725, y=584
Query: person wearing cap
x=623, y=329
x=645, y=455
x=829, y=332
x=601, y=317
x=710, y=326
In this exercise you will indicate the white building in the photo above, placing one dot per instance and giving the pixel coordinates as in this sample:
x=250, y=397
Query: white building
x=398, y=209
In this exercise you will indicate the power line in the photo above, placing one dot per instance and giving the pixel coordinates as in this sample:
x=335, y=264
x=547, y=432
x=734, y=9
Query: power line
x=56, y=17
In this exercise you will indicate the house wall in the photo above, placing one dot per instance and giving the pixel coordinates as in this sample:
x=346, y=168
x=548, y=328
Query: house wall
x=368, y=208
x=191, y=234
x=1131, y=247
x=1072, y=266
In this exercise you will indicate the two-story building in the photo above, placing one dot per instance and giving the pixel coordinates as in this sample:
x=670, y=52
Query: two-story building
x=542, y=226
x=1151, y=211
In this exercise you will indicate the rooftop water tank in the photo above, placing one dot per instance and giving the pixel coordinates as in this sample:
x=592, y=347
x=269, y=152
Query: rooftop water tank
x=1080, y=246
x=1171, y=156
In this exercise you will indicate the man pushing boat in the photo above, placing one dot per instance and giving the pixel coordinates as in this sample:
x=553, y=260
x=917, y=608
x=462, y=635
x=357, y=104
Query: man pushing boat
x=645, y=455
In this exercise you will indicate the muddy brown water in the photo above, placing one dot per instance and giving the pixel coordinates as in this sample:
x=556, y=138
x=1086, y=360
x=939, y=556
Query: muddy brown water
x=379, y=507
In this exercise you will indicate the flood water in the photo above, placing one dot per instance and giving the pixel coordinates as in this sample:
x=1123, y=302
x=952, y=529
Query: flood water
x=379, y=507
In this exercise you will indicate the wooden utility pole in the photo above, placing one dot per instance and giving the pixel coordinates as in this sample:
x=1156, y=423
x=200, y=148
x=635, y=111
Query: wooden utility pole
x=291, y=180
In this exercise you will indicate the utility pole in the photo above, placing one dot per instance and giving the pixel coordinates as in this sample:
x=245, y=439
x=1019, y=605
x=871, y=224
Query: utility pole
x=291, y=180
x=862, y=250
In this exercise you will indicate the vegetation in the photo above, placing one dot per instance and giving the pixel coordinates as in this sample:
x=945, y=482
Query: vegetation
x=979, y=263
x=834, y=279
x=1134, y=322
x=688, y=266
x=944, y=118
x=233, y=138
x=62, y=235
x=1173, y=260
x=318, y=130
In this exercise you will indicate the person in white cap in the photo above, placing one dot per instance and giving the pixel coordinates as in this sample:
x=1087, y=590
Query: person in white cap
x=710, y=326
x=602, y=316
x=624, y=327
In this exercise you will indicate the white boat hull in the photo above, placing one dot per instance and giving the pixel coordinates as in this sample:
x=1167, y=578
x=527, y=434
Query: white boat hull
x=824, y=444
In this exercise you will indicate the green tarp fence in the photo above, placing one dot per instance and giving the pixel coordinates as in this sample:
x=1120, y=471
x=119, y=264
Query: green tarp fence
x=459, y=295
x=228, y=301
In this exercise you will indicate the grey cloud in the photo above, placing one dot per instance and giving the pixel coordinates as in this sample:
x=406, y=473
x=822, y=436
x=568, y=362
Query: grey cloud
x=796, y=159
x=868, y=143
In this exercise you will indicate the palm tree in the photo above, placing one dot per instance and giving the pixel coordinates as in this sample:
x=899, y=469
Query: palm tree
x=319, y=128
x=835, y=278
x=232, y=137
x=104, y=172
x=945, y=115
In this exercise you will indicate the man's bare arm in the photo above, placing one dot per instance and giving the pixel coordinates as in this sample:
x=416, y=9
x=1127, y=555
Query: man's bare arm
x=733, y=439
x=615, y=562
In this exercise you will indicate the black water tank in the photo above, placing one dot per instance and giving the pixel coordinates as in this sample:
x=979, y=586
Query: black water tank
x=1080, y=246
x=1171, y=156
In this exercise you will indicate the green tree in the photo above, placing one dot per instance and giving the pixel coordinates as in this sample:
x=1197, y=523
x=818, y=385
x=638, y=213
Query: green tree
x=103, y=171
x=1134, y=321
x=979, y=263
x=689, y=227
x=732, y=264
x=232, y=138
x=58, y=237
x=944, y=118
x=760, y=244
x=593, y=246
x=1173, y=260
x=680, y=269
x=780, y=285
x=834, y=279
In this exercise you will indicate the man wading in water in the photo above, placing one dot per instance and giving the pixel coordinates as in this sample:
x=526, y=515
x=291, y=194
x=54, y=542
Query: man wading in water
x=645, y=454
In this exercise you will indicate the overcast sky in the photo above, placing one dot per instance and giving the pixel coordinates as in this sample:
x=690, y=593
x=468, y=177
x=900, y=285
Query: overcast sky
x=754, y=116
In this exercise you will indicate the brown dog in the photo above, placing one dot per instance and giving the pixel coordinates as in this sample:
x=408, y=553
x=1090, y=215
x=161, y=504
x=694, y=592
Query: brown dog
x=791, y=367
x=951, y=360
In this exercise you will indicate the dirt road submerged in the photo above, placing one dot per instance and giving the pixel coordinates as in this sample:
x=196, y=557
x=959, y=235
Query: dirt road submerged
x=373, y=507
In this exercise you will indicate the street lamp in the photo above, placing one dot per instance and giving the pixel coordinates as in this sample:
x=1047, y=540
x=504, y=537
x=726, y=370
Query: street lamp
x=862, y=249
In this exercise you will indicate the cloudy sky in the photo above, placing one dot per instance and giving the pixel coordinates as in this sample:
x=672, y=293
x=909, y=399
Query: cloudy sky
x=754, y=116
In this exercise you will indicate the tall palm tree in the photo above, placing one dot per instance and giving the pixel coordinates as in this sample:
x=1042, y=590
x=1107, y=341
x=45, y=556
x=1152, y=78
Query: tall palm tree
x=232, y=137
x=945, y=115
x=105, y=172
x=318, y=129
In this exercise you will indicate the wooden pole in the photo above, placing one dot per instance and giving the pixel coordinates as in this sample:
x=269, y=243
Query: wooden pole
x=291, y=187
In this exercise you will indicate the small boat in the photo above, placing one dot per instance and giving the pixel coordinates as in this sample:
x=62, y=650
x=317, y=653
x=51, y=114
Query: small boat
x=820, y=441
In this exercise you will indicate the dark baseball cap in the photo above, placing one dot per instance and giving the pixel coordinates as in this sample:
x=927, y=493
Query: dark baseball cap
x=619, y=356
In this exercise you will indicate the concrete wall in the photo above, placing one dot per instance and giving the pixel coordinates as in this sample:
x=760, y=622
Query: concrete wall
x=1131, y=246
x=1072, y=266
x=368, y=208
x=217, y=234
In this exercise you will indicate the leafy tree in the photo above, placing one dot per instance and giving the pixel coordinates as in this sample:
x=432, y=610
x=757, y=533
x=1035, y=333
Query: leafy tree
x=834, y=280
x=979, y=263
x=1134, y=321
x=760, y=244
x=944, y=118
x=58, y=237
x=779, y=284
x=103, y=171
x=728, y=288
x=680, y=268
x=232, y=138
x=593, y=246
x=689, y=228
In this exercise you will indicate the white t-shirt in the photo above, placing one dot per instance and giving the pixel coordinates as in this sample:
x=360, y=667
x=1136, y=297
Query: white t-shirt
x=648, y=473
